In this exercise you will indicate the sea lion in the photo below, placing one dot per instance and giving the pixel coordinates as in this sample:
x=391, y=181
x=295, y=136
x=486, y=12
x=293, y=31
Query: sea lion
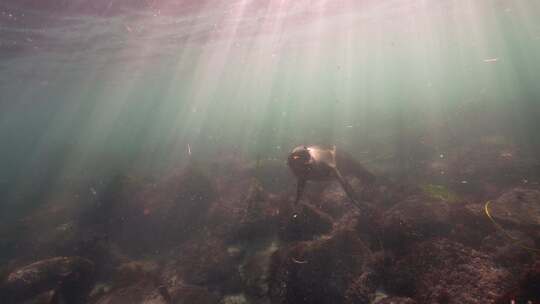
x=319, y=164
x=70, y=278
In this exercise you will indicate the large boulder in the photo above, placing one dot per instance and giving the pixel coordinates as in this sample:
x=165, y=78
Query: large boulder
x=72, y=277
x=361, y=290
x=163, y=214
x=320, y=271
x=416, y=218
x=245, y=211
x=512, y=225
x=329, y=197
x=261, y=215
x=511, y=254
x=131, y=272
x=519, y=208
x=255, y=271
x=442, y=271
x=307, y=224
x=140, y=292
x=49, y=228
x=526, y=289
x=206, y=262
x=144, y=282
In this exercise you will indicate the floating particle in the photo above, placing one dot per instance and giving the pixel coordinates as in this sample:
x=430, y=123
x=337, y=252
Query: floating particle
x=506, y=155
x=298, y=261
x=491, y=60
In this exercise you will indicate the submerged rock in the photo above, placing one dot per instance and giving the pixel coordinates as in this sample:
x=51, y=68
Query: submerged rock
x=203, y=263
x=255, y=271
x=518, y=207
x=361, y=290
x=245, y=211
x=305, y=225
x=511, y=227
x=526, y=289
x=234, y=299
x=140, y=283
x=261, y=216
x=329, y=198
x=70, y=277
x=164, y=214
x=416, y=218
x=396, y=300
x=443, y=271
x=512, y=255
x=319, y=271
x=131, y=272
x=194, y=294
x=141, y=292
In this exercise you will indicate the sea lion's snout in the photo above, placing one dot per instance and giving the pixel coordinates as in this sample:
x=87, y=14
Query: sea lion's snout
x=299, y=159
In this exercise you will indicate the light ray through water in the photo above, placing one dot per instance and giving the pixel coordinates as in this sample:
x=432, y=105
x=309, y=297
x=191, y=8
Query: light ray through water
x=251, y=77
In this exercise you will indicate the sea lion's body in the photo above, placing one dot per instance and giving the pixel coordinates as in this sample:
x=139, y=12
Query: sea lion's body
x=316, y=163
x=320, y=166
x=69, y=277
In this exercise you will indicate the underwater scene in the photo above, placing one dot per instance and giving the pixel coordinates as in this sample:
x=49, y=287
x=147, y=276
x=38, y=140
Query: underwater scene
x=269, y=151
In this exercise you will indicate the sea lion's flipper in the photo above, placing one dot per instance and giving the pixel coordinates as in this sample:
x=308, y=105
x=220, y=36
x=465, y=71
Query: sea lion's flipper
x=300, y=189
x=352, y=194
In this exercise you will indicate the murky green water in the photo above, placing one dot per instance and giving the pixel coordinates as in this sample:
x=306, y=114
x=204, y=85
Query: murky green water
x=137, y=87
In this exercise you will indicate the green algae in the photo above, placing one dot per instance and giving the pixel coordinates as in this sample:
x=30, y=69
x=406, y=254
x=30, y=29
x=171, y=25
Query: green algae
x=440, y=192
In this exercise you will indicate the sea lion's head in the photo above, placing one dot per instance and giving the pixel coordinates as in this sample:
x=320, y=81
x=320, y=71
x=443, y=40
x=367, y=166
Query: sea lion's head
x=299, y=161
